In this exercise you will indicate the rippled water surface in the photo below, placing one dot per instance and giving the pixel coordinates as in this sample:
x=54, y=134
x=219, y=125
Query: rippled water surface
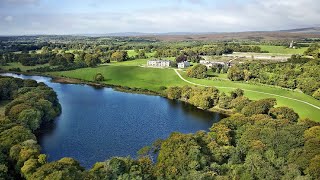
x=97, y=124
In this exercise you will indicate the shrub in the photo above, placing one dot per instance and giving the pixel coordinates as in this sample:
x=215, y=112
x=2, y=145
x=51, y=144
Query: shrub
x=98, y=77
x=174, y=93
x=15, y=69
x=316, y=94
x=162, y=88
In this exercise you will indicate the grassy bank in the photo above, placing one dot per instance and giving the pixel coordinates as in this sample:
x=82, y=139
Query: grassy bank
x=130, y=76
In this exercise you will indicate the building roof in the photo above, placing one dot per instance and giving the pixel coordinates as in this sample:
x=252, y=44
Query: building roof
x=184, y=62
x=159, y=60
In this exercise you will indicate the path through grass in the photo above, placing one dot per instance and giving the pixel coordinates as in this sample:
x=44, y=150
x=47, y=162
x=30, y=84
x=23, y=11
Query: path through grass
x=306, y=106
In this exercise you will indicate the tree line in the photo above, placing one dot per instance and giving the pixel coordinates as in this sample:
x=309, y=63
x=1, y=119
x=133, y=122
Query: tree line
x=31, y=104
x=219, y=49
x=61, y=60
x=90, y=55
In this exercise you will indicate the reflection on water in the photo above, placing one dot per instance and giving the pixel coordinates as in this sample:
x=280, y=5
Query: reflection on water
x=98, y=123
x=198, y=114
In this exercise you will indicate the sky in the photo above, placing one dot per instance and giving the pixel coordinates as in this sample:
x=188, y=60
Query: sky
x=29, y=17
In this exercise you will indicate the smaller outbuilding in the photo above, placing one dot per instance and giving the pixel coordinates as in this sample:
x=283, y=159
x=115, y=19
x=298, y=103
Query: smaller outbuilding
x=211, y=64
x=183, y=64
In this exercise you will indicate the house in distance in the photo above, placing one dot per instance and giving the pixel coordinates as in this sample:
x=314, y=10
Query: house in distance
x=184, y=64
x=159, y=63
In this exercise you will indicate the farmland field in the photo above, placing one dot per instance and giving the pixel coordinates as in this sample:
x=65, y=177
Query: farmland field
x=132, y=53
x=282, y=49
x=131, y=76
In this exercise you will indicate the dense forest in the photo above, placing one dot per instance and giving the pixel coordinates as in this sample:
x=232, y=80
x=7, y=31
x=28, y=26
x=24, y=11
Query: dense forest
x=261, y=141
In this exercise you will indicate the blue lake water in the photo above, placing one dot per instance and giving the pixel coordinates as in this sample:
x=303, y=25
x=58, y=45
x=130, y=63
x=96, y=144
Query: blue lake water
x=97, y=124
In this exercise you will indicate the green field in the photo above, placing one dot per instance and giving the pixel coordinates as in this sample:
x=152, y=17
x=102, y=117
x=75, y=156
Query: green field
x=131, y=76
x=127, y=74
x=132, y=53
x=282, y=49
x=138, y=62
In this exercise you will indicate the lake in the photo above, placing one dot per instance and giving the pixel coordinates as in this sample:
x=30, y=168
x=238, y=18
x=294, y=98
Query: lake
x=99, y=123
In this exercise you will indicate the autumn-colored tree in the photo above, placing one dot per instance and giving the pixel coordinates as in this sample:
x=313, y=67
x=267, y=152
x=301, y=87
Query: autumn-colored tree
x=198, y=71
x=119, y=56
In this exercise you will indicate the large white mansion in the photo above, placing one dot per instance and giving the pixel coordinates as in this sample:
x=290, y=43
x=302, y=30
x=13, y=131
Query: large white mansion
x=159, y=63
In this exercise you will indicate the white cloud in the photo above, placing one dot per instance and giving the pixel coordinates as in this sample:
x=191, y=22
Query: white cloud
x=8, y=18
x=254, y=15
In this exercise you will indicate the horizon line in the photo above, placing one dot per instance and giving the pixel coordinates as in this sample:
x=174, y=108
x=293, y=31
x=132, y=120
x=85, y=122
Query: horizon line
x=161, y=33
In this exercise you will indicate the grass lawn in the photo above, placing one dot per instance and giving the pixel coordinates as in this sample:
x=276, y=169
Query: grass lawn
x=282, y=49
x=19, y=65
x=132, y=53
x=137, y=62
x=131, y=76
x=304, y=110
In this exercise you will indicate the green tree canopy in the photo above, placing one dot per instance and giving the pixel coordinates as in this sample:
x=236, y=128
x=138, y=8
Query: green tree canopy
x=199, y=71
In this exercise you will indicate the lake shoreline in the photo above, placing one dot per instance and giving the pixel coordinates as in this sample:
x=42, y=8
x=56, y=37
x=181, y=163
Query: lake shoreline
x=85, y=119
x=67, y=80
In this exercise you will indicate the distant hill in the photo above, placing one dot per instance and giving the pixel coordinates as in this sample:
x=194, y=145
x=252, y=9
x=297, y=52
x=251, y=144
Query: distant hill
x=288, y=35
x=250, y=36
x=128, y=34
x=315, y=30
x=283, y=34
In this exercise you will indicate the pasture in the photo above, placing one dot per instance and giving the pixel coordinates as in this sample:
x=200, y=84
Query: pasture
x=282, y=49
x=130, y=76
x=132, y=53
